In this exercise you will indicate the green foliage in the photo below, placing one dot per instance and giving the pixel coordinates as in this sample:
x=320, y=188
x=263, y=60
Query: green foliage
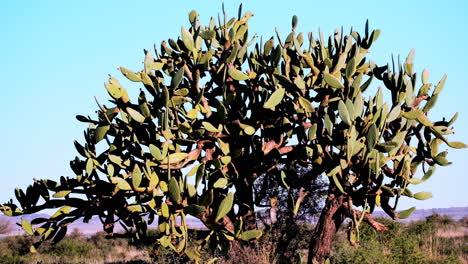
x=75, y=248
x=237, y=109
x=416, y=242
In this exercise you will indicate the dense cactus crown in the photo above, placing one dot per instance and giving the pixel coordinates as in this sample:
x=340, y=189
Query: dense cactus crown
x=220, y=110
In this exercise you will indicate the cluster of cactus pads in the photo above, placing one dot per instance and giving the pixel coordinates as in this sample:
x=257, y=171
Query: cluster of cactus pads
x=219, y=109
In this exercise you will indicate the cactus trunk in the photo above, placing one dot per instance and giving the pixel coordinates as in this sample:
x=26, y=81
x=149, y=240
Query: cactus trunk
x=333, y=214
x=245, y=195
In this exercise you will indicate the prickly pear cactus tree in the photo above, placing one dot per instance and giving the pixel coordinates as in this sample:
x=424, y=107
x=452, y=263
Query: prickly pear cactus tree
x=219, y=109
x=370, y=149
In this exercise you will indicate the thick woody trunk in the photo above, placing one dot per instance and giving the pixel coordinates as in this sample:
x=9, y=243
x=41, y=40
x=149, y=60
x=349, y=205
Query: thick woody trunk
x=244, y=193
x=287, y=233
x=333, y=215
x=246, y=208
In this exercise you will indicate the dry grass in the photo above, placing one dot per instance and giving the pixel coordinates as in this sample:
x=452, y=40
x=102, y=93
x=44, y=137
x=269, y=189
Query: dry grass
x=454, y=232
x=127, y=254
x=247, y=255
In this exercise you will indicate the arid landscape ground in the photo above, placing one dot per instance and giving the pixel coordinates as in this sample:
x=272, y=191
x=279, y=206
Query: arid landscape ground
x=429, y=236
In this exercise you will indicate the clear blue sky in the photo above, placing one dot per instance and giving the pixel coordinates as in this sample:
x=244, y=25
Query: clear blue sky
x=56, y=55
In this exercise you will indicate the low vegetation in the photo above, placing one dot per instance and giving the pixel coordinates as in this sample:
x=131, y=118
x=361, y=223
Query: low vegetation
x=438, y=239
x=224, y=123
x=419, y=242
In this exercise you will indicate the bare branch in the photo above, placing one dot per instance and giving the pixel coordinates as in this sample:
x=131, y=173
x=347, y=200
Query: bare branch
x=371, y=221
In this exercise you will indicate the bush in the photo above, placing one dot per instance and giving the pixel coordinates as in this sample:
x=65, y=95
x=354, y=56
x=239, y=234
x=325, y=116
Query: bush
x=464, y=221
x=416, y=242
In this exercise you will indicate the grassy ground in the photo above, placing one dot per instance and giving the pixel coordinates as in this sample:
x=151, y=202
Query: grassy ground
x=438, y=239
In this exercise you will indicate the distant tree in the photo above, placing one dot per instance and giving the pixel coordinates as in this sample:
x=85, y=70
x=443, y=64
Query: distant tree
x=5, y=227
x=297, y=198
x=217, y=114
x=464, y=221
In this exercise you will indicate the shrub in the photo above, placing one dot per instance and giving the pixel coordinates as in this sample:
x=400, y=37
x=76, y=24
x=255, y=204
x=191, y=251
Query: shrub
x=5, y=227
x=416, y=242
